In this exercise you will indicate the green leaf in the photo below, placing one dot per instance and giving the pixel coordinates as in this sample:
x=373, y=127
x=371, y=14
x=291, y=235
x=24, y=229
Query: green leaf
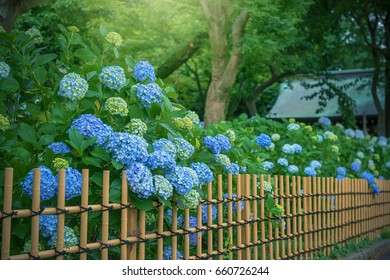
x=28, y=134
x=45, y=58
x=171, y=92
x=85, y=54
x=142, y=204
x=115, y=191
x=76, y=138
x=116, y=165
x=9, y=84
x=21, y=230
x=92, y=161
x=90, y=75
x=87, y=143
x=97, y=178
x=45, y=140
x=101, y=153
x=49, y=157
x=102, y=31
x=40, y=74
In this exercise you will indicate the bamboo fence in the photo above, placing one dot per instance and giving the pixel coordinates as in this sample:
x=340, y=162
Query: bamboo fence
x=320, y=213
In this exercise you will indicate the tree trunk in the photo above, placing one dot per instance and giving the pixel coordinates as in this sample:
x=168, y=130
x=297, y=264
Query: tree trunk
x=10, y=10
x=225, y=66
x=387, y=74
x=181, y=56
x=252, y=108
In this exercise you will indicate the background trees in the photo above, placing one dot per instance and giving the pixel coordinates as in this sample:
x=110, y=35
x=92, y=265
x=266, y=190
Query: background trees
x=228, y=57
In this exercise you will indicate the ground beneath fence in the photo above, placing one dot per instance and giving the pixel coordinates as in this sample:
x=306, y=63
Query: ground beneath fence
x=378, y=251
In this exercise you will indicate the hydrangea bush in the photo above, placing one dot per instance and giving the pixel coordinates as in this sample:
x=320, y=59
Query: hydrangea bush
x=87, y=107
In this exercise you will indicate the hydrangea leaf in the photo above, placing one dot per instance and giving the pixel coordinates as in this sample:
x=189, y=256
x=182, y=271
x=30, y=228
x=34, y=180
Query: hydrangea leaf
x=141, y=204
x=9, y=84
x=44, y=58
x=28, y=134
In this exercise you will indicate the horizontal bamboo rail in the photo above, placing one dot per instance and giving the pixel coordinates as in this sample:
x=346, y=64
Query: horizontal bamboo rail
x=316, y=215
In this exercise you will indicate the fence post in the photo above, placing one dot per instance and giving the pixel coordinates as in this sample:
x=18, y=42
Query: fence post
x=105, y=214
x=230, y=212
x=7, y=209
x=35, y=213
x=84, y=214
x=60, y=216
x=255, y=216
x=220, y=217
x=124, y=212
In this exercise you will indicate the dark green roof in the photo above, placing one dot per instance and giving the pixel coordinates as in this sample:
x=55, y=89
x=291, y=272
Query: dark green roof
x=292, y=104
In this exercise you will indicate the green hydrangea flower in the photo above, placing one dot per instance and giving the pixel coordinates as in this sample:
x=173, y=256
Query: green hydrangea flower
x=117, y=106
x=136, y=126
x=114, y=38
x=60, y=163
x=4, y=123
x=189, y=200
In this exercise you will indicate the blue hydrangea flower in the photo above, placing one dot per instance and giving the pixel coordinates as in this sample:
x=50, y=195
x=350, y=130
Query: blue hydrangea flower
x=203, y=171
x=382, y=141
x=234, y=204
x=292, y=169
x=359, y=134
x=212, y=144
x=355, y=166
x=243, y=169
x=167, y=253
x=223, y=142
x=144, y=70
x=49, y=185
x=205, y=213
x=90, y=126
x=388, y=164
x=264, y=141
x=234, y=168
x=166, y=145
x=60, y=148
x=4, y=70
x=184, y=149
x=288, y=149
x=341, y=171
x=315, y=164
x=268, y=165
x=180, y=219
x=181, y=179
x=375, y=189
x=161, y=159
x=73, y=87
x=309, y=171
x=349, y=132
x=113, y=77
x=282, y=162
x=297, y=148
x=70, y=238
x=193, y=223
x=73, y=180
x=140, y=180
x=128, y=148
x=148, y=94
x=293, y=127
x=369, y=177
x=48, y=225
x=320, y=138
x=223, y=161
x=163, y=187
x=194, y=176
x=324, y=121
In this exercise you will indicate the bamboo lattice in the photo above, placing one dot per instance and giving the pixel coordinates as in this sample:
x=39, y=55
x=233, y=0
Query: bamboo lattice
x=319, y=213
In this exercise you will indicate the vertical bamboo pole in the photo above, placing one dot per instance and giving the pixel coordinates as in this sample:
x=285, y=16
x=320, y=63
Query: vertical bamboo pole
x=306, y=216
x=314, y=210
x=276, y=196
x=300, y=210
x=310, y=216
x=7, y=208
x=84, y=214
x=239, y=231
x=174, y=231
x=199, y=234
x=344, y=228
x=359, y=212
x=255, y=215
x=333, y=216
x=230, y=213
x=288, y=217
x=262, y=216
x=60, y=217
x=220, y=217
x=324, y=224
x=210, y=219
x=124, y=212
x=283, y=218
x=133, y=231
x=247, y=217
x=186, y=236
x=105, y=213
x=160, y=230
x=270, y=232
x=329, y=216
x=35, y=208
x=294, y=214
x=142, y=233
